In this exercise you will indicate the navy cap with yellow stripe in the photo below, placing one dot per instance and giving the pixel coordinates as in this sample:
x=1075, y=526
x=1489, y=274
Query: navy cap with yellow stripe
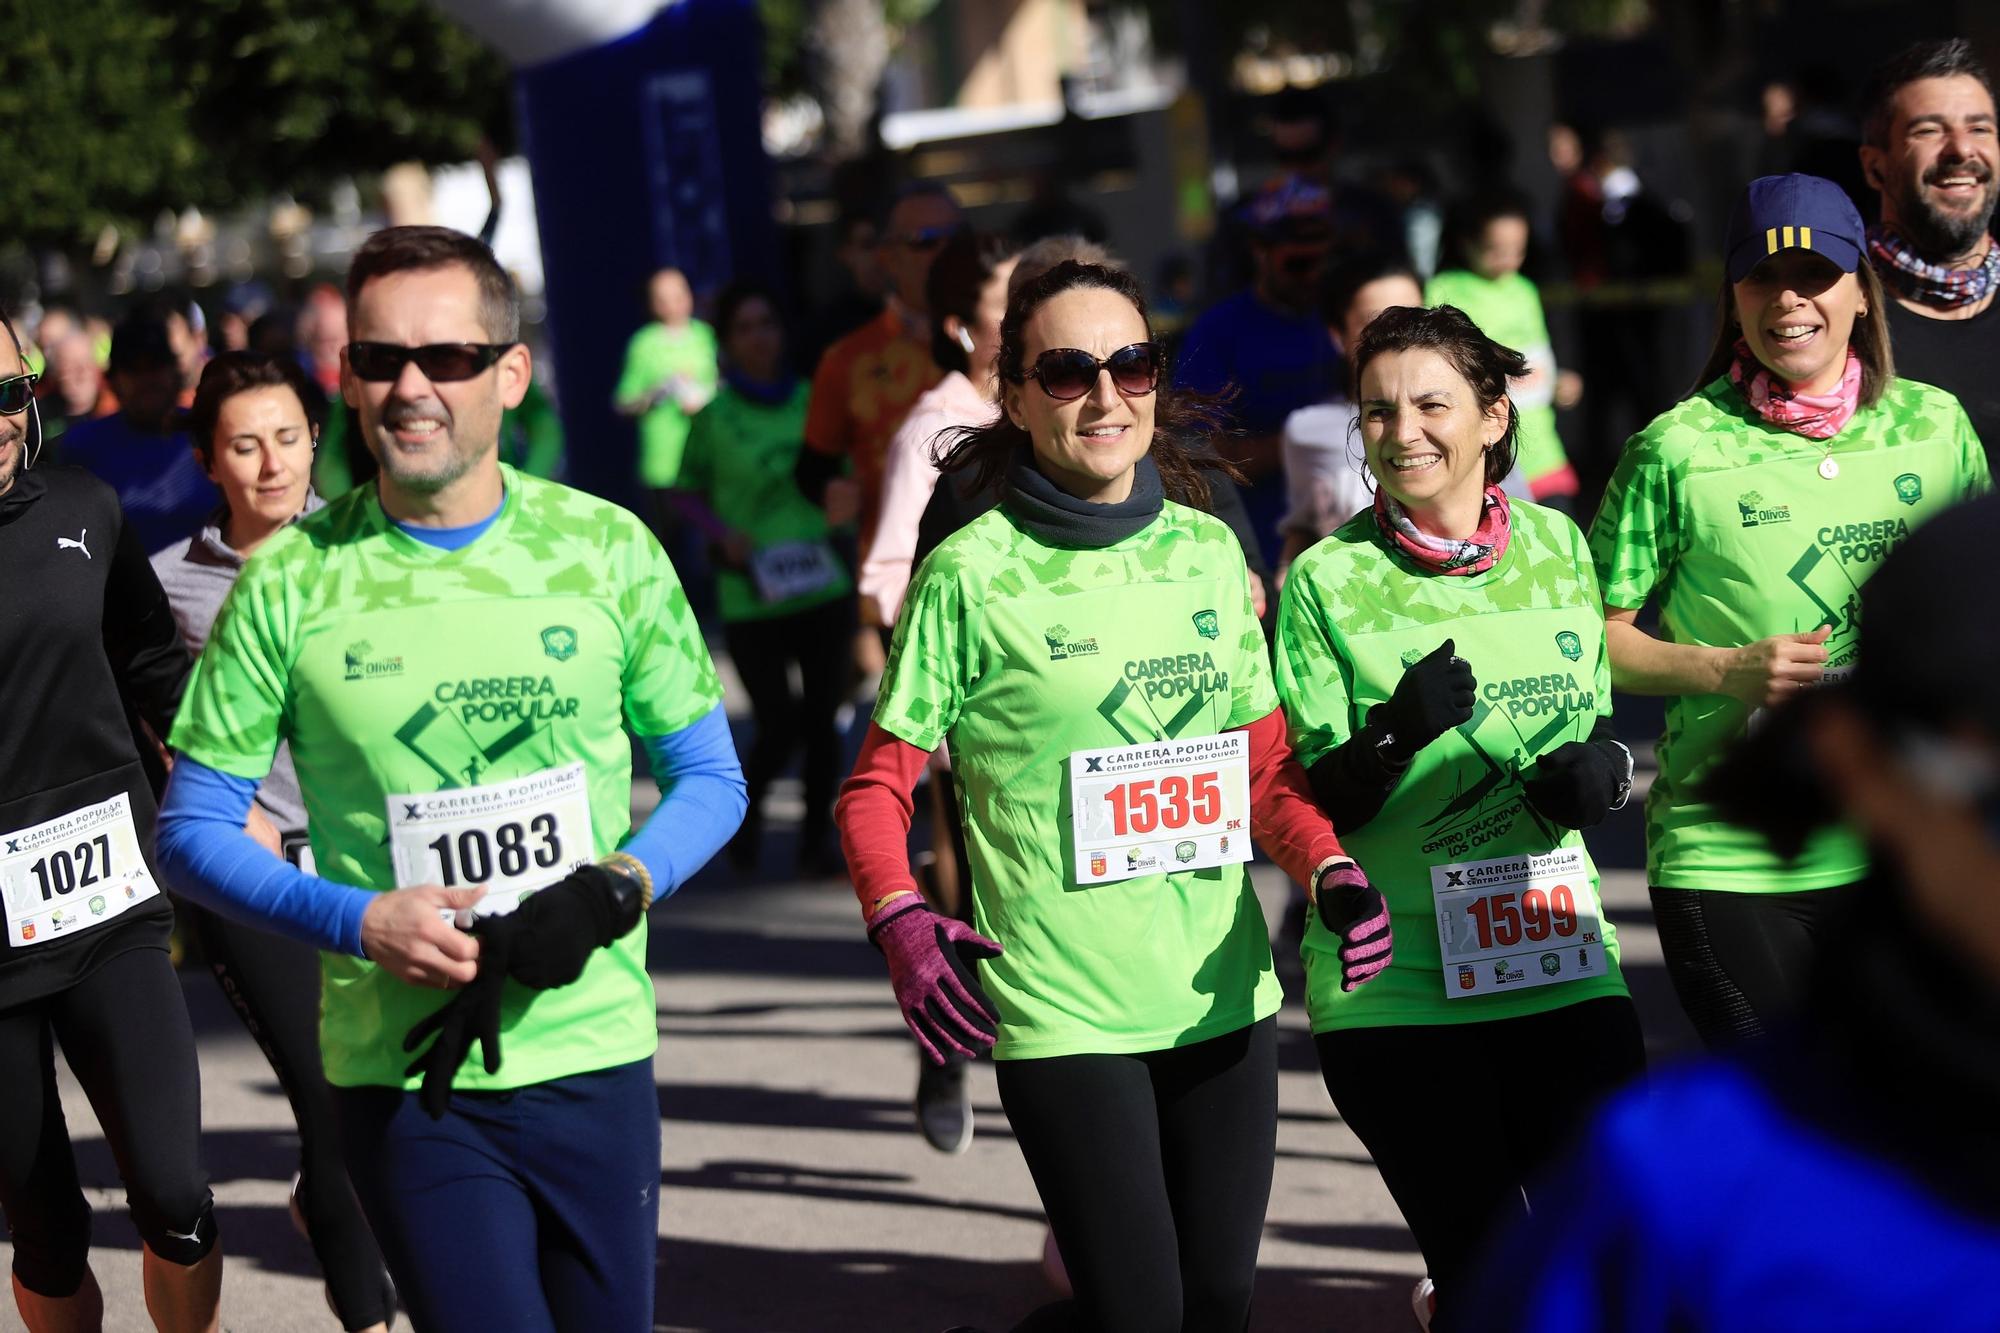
x=1795, y=212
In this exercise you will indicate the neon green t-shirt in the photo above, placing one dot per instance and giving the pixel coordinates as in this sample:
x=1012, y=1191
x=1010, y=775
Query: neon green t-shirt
x=1020, y=654
x=1509, y=311
x=1727, y=520
x=1353, y=613
x=740, y=456
x=656, y=355
x=393, y=668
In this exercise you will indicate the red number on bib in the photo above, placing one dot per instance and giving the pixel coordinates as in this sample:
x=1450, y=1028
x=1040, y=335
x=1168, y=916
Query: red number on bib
x=1207, y=798
x=1506, y=920
x=1145, y=807
x=1535, y=912
x=1562, y=905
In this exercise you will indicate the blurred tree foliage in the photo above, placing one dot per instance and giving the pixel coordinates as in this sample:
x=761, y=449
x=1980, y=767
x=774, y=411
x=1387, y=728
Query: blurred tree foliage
x=119, y=108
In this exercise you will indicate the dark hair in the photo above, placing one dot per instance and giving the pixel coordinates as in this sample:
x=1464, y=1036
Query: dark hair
x=1870, y=338
x=423, y=249
x=731, y=300
x=1182, y=422
x=230, y=373
x=140, y=340
x=1344, y=281
x=1484, y=364
x=913, y=190
x=966, y=264
x=1943, y=59
x=1466, y=222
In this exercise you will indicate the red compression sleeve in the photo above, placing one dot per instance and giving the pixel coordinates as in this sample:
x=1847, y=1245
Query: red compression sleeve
x=873, y=814
x=1285, y=819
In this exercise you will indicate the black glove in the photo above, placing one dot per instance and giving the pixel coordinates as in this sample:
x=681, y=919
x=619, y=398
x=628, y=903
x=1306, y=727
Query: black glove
x=543, y=943
x=473, y=1014
x=1435, y=694
x=1577, y=783
x=555, y=930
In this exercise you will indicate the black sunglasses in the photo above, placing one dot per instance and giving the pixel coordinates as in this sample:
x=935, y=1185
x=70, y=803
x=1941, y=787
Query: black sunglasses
x=442, y=363
x=1068, y=373
x=16, y=392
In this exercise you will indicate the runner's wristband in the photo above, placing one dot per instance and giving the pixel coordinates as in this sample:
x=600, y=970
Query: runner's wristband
x=632, y=868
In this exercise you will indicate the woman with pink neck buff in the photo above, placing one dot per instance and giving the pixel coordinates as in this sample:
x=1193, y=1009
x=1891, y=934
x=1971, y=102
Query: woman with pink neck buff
x=1442, y=664
x=1753, y=511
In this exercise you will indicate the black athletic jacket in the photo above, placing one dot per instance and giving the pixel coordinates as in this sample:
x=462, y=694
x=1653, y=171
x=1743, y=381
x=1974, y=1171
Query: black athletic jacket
x=85, y=634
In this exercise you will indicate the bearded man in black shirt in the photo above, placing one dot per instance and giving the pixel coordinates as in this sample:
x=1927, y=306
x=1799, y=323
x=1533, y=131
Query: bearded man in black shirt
x=1931, y=148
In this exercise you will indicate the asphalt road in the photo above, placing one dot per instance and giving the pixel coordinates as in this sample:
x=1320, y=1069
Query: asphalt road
x=797, y=1197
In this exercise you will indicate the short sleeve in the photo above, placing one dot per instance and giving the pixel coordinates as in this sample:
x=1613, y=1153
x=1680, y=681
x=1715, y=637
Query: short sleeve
x=1635, y=536
x=1593, y=595
x=706, y=370
x=668, y=680
x=924, y=684
x=1251, y=693
x=1975, y=474
x=1311, y=677
x=636, y=378
x=236, y=709
x=829, y=423
x=698, y=457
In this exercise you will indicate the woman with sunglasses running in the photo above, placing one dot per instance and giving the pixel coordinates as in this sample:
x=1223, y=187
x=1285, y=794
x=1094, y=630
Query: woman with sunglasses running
x=1088, y=652
x=255, y=441
x=88, y=633
x=1754, y=510
x=1443, y=667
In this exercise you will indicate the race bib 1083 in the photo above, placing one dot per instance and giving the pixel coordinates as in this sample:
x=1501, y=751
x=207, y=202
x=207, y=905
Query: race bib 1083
x=513, y=837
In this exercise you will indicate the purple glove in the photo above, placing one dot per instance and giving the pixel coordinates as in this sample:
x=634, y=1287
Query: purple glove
x=931, y=961
x=1353, y=909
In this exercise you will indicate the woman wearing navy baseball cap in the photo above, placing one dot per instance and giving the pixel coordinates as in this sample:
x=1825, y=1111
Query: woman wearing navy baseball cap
x=1753, y=511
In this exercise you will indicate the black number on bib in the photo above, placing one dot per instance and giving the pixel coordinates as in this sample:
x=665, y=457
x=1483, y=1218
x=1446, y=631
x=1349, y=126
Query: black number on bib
x=56, y=873
x=513, y=849
x=471, y=856
x=550, y=852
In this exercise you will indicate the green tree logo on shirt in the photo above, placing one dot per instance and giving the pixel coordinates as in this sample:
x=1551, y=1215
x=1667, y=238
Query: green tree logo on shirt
x=1909, y=488
x=559, y=642
x=1570, y=645
x=1207, y=625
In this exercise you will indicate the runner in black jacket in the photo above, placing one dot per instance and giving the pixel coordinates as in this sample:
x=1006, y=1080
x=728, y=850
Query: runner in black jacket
x=85, y=633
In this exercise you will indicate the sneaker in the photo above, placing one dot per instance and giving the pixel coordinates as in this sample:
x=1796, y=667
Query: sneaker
x=944, y=1107
x=1424, y=1303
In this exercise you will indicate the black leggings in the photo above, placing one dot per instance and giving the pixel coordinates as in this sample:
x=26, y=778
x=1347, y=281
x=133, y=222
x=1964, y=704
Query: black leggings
x=1155, y=1171
x=1740, y=961
x=125, y=1033
x=273, y=984
x=1460, y=1117
x=764, y=651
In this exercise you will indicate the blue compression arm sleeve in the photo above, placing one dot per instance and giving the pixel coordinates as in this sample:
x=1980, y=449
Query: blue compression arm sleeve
x=206, y=856
x=702, y=799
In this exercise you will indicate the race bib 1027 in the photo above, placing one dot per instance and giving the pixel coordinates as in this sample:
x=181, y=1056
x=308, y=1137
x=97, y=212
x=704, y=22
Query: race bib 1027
x=72, y=873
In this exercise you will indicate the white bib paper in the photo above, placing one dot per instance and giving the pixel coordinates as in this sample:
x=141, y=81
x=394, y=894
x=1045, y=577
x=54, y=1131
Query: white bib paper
x=513, y=837
x=72, y=873
x=1517, y=921
x=1160, y=806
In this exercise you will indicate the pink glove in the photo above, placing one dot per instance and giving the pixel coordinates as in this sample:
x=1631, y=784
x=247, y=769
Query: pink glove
x=931, y=961
x=1355, y=910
